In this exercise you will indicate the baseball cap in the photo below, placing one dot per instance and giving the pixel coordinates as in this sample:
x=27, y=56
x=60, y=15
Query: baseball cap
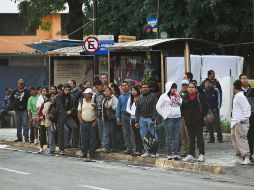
x=185, y=82
x=21, y=81
x=88, y=90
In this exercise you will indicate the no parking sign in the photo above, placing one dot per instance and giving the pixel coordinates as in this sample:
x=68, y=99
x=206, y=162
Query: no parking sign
x=91, y=44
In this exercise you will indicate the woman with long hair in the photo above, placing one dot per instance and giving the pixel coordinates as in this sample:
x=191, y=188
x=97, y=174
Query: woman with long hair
x=131, y=109
x=115, y=90
x=194, y=109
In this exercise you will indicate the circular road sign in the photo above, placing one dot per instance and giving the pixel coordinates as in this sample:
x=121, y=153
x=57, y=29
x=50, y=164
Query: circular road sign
x=91, y=44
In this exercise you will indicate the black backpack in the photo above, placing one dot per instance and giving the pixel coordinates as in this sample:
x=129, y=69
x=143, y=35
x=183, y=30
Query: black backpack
x=52, y=113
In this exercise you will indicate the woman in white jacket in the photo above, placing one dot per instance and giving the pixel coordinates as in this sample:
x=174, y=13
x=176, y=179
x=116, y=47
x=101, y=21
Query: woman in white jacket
x=168, y=106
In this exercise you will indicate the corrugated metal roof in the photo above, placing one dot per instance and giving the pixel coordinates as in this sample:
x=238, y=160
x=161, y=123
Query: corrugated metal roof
x=67, y=51
x=158, y=44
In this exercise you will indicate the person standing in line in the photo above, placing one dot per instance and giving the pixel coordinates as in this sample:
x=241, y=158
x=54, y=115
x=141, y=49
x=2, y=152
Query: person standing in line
x=18, y=100
x=33, y=115
x=109, y=105
x=146, y=113
x=39, y=103
x=213, y=102
x=194, y=110
x=87, y=120
x=123, y=118
x=53, y=90
x=5, y=107
x=98, y=99
x=49, y=125
x=183, y=131
x=64, y=104
x=241, y=113
x=249, y=93
x=104, y=80
x=115, y=90
x=131, y=109
x=168, y=106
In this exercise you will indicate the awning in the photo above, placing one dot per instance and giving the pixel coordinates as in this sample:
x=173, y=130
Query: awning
x=162, y=44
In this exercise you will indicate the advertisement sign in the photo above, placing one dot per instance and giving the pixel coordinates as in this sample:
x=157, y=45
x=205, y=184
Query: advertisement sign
x=151, y=24
x=164, y=35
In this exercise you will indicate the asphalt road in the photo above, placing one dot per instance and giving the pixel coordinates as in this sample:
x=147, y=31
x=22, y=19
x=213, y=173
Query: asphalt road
x=27, y=171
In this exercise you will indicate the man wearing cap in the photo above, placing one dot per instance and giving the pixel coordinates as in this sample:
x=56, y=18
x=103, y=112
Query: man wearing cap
x=87, y=119
x=19, y=99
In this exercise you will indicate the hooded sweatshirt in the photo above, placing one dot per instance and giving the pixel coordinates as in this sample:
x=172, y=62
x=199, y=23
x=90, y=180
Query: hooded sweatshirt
x=169, y=107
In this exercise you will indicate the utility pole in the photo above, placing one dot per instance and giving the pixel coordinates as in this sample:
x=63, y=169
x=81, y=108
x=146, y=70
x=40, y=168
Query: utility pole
x=95, y=32
x=158, y=13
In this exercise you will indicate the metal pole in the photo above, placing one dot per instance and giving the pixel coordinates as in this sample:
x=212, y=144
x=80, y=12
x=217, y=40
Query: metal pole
x=108, y=66
x=158, y=13
x=95, y=32
x=187, y=57
x=162, y=72
x=49, y=72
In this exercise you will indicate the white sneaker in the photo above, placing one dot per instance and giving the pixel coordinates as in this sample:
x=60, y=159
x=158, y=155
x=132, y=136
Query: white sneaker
x=246, y=161
x=40, y=151
x=146, y=155
x=201, y=158
x=170, y=157
x=36, y=141
x=188, y=158
x=155, y=155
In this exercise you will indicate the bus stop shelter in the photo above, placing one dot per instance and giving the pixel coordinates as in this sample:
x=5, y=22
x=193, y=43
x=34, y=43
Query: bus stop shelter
x=162, y=46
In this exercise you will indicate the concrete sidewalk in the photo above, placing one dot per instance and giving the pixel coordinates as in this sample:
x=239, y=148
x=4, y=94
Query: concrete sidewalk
x=219, y=156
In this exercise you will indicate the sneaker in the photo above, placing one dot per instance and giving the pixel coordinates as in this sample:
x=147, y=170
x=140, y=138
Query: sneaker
x=36, y=141
x=128, y=152
x=155, y=155
x=251, y=159
x=136, y=154
x=83, y=155
x=176, y=157
x=40, y=151
x=211, y=141
x=246, y=161
x=183, y=155
x=52, y=153
x=113, y=150
x=201, y=158
x=146, y=155
x=104, y=150
x=170, y=157
x=18, y=140
x=61, y=152
x=188, y=158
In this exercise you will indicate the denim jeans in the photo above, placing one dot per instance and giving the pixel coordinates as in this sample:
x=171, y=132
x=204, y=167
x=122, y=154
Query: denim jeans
x=109, y=134
x=88, y=137
x=172, y=128
x=145, y=125
x=21, y=120
x=128, y=133
x=51, y=139
x=100, y=128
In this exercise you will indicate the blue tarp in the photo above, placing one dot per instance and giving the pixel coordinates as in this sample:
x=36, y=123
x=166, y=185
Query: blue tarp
x=33, y=76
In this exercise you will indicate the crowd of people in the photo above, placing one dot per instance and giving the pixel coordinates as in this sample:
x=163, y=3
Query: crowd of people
x=98, y=118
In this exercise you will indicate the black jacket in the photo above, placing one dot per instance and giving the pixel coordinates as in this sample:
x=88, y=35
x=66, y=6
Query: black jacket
x=146, y=106
x=63, y=103
x=212, y=98
x=250, y=96
x=19, y=99
x=192, y=111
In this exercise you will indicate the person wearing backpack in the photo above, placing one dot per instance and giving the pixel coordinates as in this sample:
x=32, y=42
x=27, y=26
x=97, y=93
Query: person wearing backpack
x=146, y=114
x=194, y=109
x=87, y=119
x=168, y=106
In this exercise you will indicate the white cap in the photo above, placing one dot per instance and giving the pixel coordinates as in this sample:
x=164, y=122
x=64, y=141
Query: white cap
x=88, y=90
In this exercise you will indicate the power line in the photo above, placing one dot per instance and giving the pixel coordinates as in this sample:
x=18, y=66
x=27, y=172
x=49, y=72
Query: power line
x=91, y=20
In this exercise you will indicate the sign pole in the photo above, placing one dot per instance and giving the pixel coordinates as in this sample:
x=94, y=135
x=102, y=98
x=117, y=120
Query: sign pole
x=95, y=32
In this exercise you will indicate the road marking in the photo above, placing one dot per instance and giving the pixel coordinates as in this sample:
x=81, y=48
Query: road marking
x=93, y=187
x=14, y=171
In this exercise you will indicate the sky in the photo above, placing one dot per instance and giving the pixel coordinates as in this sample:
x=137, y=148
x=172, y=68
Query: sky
x=8, y=6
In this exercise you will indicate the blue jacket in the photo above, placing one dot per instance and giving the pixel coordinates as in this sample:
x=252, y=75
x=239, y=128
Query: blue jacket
x=122, y=104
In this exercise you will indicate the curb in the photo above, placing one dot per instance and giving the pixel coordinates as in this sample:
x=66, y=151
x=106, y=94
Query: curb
x=159, y=162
